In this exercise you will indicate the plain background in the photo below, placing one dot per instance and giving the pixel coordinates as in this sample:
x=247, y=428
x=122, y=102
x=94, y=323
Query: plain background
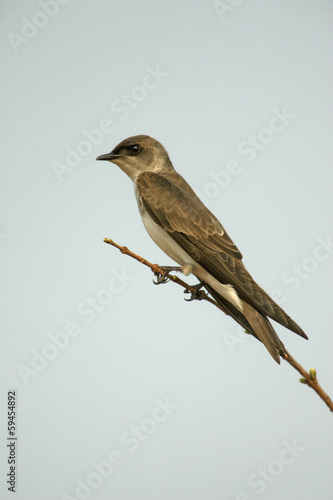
x=225, y=70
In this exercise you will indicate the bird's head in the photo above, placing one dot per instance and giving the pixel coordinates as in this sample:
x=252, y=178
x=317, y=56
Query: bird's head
x=137, y=154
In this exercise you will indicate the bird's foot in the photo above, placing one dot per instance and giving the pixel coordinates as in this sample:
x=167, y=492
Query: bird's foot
x=197, y=294
x=161, y=278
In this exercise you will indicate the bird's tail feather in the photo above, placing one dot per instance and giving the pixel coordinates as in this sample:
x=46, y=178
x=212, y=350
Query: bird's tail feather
x=254, y=323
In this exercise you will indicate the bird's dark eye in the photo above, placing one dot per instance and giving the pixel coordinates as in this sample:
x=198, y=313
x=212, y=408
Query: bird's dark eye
x=135, y=149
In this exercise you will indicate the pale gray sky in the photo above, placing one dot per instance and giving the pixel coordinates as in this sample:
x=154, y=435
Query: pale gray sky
x=124, y=391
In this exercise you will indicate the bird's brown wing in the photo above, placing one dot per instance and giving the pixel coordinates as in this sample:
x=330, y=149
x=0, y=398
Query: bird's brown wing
x=253, y=322
x=174, y=206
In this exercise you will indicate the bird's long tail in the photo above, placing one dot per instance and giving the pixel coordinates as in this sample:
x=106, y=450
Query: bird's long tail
x=254, y=323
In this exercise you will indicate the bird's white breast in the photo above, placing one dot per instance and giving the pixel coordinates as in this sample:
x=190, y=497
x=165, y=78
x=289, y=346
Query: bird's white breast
x=165, y=242
x=176, y=253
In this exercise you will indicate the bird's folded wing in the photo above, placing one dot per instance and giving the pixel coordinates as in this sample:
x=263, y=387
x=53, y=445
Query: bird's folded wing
x=173, y=205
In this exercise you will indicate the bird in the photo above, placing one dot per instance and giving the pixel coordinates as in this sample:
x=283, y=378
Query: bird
x=188, y=232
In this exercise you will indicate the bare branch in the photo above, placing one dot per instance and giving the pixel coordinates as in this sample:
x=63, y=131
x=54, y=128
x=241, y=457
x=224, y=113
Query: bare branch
x=309, y=379
x=158, y=270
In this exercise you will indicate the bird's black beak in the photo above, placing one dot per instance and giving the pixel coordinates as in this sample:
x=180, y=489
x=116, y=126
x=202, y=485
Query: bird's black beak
x=108, y=157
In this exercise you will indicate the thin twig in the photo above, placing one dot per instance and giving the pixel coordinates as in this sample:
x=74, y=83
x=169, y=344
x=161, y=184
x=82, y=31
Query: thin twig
x=309, y=379
x=158, y=270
